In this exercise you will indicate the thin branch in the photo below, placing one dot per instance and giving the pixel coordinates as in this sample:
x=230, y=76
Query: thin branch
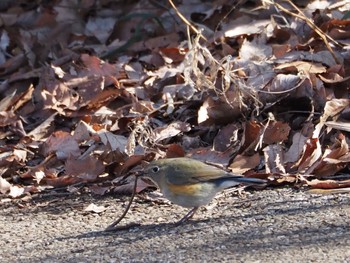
x=188, y=23
x=301, y=16
x=112, y=227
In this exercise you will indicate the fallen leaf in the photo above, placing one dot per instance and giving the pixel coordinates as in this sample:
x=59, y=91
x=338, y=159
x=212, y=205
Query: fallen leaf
x=329, y=191
x=302, y=67
x=62, y=144
x=99, y=190
x=128, y=187
x=95, y=208
x=331, y=109
x=114, y=141
x=241, y=164
x=88, y=168
x=276, y=132
x=274, y=159
x=5, y=186
x=170, y=130
x=296, y=149
x=16, y=191
x=328, y=184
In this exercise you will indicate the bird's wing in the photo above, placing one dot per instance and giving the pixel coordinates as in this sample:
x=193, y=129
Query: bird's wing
x=194, y=172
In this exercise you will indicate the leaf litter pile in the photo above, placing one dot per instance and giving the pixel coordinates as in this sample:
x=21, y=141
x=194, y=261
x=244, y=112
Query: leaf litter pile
x=92, y=89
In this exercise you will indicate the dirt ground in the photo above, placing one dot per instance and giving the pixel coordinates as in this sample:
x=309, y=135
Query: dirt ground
x=276, y=225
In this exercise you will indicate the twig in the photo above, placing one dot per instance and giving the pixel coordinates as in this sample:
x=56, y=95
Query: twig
x=165, y=105
x=301, y=16
x=184, y=19
x=112, y=227
x=45, y=161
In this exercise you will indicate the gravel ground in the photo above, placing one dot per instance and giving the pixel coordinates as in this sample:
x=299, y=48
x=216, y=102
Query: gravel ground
x=276, y=225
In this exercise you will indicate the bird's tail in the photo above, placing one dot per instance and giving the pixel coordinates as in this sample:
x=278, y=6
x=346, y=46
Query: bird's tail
x=227, y=182
x=246, y=180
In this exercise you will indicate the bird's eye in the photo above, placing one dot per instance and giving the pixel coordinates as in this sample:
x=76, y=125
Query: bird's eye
x=155, y=169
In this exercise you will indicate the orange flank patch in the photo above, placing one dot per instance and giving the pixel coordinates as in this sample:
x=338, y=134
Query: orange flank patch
x=189, y=189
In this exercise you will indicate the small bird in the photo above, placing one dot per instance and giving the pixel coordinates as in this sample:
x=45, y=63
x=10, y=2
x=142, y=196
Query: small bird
x=191, y=183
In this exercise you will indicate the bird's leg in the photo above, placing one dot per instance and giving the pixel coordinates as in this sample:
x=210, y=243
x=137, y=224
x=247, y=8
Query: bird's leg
x=187, y=216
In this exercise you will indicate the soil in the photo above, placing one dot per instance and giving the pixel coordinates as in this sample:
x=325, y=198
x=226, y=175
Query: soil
x=275, y=225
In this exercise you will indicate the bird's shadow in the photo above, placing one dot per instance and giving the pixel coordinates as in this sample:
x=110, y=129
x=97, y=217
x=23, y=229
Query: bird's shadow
x=149, y=229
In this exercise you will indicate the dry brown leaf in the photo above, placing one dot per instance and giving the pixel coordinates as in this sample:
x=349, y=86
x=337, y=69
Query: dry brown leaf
x=12, y=156
x=255, y=50
x=329, y=191
x=226, y=137
x=7, y=118
x=174, y=150
x=173, y=55
x=38, y=176
x=129, y=163
x=242, y=164
x=20, y=155
x=331, y=161
x=295, y=150
x=88, y=168
x=98, y=67
x=332, y=109
x=63, y=181
x=170, y=130
x=207, y=155
x=7, y=102
x=23, y=98
x=244, y=25
x=157, y=42
x=280, y=50
x=39, y=132
x=128, y=187
x=62, y=144
x=328, y=184
x=276, y=132
x=100, y=27
x=99, y=190
x=343, y=126
x=219, y=111
x=273, y=155
x=311, y=155
x=12, y=64
x=114, y=141
x=5, y=186
x=302, y=67
x=95, y=208
x=252, y=131
x=83, y=132
x=16, y=191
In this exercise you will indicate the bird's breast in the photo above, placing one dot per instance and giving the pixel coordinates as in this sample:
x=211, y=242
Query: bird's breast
x=190, y=189
x=190, y=195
